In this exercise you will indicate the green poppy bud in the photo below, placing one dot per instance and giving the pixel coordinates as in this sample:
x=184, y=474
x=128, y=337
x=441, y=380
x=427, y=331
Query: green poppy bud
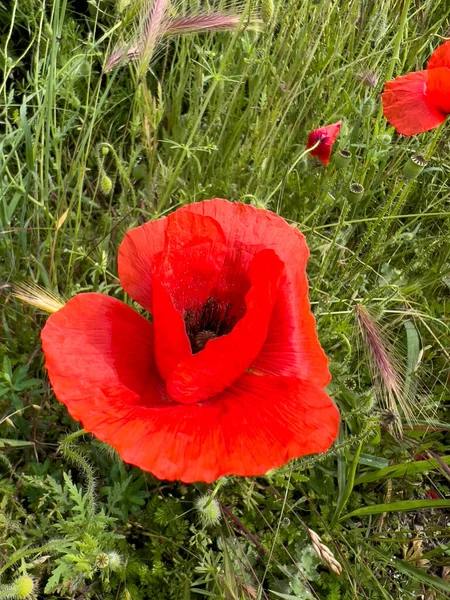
x=115, y=561
x=23, y=586
x=208, y=510
x=106, y=184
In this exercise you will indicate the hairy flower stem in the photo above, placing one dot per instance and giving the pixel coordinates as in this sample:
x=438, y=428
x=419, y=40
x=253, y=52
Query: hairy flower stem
x=213, y=494
x=292, y=167
x=244, y=529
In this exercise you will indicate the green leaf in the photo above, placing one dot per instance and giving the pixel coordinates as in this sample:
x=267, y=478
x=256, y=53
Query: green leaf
x=14, y=443
x=413, y=349
x=397, y=507
x=26, y=385
x=55, y=578
x=11, y=207
x=287, y=596
x=349, y=485
x=402, y=470
x=7, y=369
x=405, y=567
x=377, y=462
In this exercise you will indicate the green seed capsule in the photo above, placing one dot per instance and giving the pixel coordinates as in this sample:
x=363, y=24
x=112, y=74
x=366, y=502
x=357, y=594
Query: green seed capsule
x=415, y=165
x=102, y=560
x=355, y=191
x=343, y=159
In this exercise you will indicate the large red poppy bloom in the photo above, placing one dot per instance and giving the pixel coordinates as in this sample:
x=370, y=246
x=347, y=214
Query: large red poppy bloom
x=420, y=101
x=326, y=136
x=228, y=376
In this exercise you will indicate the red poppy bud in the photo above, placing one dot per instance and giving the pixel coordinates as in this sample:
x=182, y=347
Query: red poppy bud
x=228, y=376
x=322, y=140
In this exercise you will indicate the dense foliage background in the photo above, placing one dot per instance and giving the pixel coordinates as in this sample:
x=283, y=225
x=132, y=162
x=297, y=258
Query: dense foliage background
x=85, y=155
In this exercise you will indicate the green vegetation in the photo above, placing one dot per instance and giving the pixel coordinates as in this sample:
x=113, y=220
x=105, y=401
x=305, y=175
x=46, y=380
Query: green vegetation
x=86, y=155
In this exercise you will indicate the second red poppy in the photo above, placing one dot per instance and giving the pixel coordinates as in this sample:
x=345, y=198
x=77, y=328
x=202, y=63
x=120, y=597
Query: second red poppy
x=420, y=101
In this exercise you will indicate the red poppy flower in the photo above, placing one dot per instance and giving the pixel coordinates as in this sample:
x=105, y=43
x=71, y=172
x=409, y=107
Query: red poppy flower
x=326, y=136
x=228, y=376
x=420, y=101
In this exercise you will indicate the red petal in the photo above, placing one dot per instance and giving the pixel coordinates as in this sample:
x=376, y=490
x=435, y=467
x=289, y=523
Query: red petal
x=224, y=359
x=99, y=354
x=326, y=136
x=292, y=347
x=136, y=259
x=406, y=107
x=172, y=345
x=258, y=424
x=184, y=274
x=140, y=255
x=192, y=258
x=440, y=57
x=438, y=89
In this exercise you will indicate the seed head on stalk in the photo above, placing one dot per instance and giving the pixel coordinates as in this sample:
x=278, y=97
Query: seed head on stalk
x=37, y=296
x=157, y=19
x=384, y=366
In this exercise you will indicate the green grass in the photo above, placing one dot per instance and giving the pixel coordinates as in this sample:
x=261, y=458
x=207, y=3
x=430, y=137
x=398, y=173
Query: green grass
x=227, y=115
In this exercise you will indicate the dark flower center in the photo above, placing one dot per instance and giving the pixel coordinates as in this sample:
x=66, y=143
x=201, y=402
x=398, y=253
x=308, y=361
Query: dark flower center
x=202, y=337
x=208, y=321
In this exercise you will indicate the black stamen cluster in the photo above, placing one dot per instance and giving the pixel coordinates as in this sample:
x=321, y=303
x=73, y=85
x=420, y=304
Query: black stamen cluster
x=207, y=321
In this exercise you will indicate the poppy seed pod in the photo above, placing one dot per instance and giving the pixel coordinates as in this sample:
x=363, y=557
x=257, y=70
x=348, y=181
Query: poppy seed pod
x=343, y=159
x=102, y=560
x=415, y=165
x=355, y=191
x=228, y=376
